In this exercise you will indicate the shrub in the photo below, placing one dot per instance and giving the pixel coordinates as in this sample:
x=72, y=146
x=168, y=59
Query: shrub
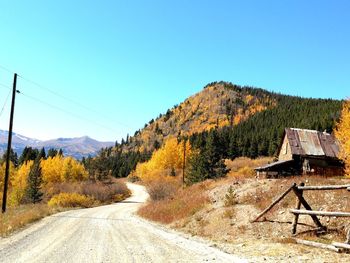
x=184, y=203
x=71, y=200
x=230, y=197
x=240, y=165
x=162, y=188
x=246, y=172
x=133, y=178
x=105, y=192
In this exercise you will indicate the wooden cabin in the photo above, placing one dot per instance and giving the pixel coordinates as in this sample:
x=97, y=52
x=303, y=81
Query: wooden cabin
x=305, y=152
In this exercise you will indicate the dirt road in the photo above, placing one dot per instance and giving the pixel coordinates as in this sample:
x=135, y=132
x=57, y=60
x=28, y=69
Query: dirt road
x=105, y=234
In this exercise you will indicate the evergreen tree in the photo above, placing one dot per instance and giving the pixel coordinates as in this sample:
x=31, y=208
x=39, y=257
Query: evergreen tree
x=172, y=172
x=13, y=157
x=42, y=154
x=52, y=153
x=156, y=145
x=34, y=181
x=60, y=152
x=25, y=155
x=208, y=163
x=197, y=170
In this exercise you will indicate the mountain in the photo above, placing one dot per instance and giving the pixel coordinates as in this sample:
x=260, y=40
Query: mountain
x=237, y=120
x=75, y=147
x=254, y=116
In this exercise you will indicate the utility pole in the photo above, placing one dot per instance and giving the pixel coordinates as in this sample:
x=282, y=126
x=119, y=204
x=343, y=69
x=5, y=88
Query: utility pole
x=7, y=171
x=184, y=165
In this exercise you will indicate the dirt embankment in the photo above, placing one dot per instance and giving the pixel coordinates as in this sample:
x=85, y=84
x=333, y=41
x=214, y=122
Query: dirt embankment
x=234, y=202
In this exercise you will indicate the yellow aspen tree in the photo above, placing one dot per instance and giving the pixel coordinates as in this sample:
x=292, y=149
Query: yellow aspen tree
x=72, y=170
x=52, y=169
x=2, y=176
x=168, y=157
x=342, y=133
x=19, y=184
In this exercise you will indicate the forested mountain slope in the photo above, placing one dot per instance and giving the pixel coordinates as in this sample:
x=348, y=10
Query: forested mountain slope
x=217, y=105
x=260, y=134
x=251, y=115
x=245, y=121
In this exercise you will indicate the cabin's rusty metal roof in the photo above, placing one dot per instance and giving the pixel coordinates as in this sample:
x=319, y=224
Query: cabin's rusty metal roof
x=313, y=143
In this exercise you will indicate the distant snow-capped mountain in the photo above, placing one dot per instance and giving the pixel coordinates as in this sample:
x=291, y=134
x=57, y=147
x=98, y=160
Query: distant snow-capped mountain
x=76, y=147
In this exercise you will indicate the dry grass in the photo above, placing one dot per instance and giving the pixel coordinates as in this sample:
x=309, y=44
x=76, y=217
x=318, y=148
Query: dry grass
x=162, y=188
x=234, y=201
x=184, y=203
x=72, y=200
x=16, y=218
x=104, y=192
x=243, y=167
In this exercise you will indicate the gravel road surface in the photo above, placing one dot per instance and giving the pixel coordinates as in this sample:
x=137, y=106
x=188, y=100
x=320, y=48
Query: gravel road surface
x=109, y=233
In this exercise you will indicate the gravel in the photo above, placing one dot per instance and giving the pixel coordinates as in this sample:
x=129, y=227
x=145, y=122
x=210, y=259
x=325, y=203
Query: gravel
x=110, y=233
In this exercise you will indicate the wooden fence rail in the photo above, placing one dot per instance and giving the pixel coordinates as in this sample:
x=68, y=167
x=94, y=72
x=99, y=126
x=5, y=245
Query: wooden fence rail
x=319, y=213
x=324, y=187
x=298, y=191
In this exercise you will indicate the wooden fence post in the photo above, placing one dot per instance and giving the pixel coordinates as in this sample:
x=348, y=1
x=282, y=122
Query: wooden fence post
x=296, y=216
x=308, y=207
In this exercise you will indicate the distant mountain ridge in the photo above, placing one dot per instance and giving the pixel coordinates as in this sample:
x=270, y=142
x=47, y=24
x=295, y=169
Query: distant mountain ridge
x=76, y=147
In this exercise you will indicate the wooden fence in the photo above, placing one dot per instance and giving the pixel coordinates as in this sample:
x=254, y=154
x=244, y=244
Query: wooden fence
x=299, y=190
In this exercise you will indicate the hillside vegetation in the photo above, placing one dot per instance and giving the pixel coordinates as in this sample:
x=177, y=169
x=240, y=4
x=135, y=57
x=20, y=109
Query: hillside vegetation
x=217, y=105
x=224, y=121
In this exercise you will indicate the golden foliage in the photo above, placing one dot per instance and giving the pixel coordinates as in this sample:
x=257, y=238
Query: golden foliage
x=168, y=157
x=2, y=175
x=215, y=106
x=19, y=184
x=243, y=167
x=71, y=200
x=59, y=169
x=2, y=178
x=342, y=133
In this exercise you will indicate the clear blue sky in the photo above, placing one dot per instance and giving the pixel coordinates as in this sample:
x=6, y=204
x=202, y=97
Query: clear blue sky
x=131, y=60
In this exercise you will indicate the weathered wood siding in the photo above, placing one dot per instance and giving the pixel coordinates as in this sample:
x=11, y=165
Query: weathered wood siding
x=286, y=151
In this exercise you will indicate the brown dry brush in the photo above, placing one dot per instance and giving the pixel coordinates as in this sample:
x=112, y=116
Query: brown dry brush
x=103, y=192
x=16, y=218
x=161, y=190
x=182, y=204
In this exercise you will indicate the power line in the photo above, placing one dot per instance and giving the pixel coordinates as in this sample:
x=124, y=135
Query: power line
x=5, y=86
x=65, y=111
x=3, y=107
x=63, y=97
x=6, y=69
x=69, y=99
x=57, y=94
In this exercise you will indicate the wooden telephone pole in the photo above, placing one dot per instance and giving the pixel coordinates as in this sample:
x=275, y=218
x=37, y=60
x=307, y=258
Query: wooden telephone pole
x=184, y=165
x=7, y=171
